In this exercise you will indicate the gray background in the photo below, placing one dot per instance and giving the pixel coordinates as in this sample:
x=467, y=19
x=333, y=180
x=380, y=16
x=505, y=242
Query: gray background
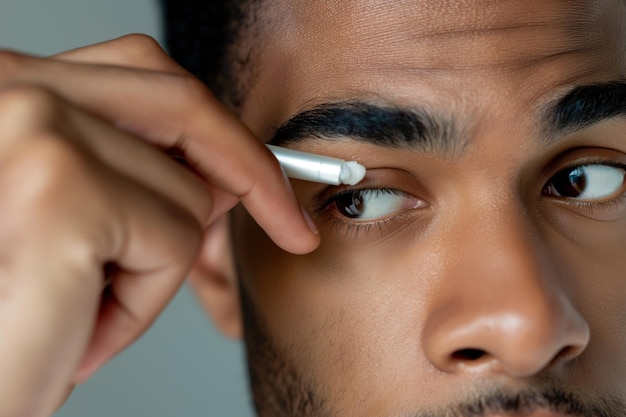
x=182, y=366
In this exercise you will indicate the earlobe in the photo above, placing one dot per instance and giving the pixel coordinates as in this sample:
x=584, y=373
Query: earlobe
x=214, y=280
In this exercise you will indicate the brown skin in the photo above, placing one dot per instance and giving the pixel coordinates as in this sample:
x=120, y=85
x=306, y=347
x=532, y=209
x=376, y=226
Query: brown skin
x=378, y=323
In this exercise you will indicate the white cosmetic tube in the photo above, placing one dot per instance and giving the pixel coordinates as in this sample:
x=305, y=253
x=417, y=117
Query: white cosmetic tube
x=317, y=168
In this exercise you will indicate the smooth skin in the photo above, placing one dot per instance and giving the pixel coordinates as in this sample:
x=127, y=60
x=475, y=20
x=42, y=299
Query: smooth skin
x=86, y=187
x=486, y=283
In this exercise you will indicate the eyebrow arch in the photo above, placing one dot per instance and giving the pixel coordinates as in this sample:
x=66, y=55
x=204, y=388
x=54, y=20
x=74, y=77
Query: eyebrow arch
x=584, y=106
x=393, y=127
x=419, y=129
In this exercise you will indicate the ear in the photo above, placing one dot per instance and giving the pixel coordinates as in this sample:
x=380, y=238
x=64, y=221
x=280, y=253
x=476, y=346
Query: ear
x=214, y=280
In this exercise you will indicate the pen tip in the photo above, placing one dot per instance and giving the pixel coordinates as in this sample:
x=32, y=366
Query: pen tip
x=351, y=173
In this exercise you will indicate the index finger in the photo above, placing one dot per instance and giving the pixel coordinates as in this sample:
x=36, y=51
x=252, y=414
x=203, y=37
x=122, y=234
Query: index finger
x=135, y=50
x=178, y=111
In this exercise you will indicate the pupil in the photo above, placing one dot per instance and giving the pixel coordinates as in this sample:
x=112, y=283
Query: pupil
x=350, y=205
x=570, y=183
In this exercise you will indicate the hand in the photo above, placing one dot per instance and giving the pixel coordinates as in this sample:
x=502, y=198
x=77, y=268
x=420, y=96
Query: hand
x=134, y=85
x=83, y=185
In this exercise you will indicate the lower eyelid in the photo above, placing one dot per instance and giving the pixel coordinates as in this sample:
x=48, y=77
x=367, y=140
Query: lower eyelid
x=602, y=211
x=356, y=229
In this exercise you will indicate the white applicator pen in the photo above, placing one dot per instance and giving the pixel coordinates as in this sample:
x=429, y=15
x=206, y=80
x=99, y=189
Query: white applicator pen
x=311, y=167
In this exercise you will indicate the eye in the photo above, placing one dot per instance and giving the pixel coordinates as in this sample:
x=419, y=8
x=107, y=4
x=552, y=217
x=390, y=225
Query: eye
x=587, y=182
x=371, y=204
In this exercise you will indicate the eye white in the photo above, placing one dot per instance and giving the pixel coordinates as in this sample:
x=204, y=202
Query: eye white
x=601, y=181
x=382, y=203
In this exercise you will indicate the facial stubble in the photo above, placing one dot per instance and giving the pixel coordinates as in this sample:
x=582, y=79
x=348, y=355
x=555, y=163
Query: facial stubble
x=281, y=389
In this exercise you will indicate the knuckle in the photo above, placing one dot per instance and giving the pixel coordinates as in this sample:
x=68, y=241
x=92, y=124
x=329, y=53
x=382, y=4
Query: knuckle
x=27, y=94
x=141, y=42
x=45, y=190
x=49, y=167
x=27, y=105
x=139, y=51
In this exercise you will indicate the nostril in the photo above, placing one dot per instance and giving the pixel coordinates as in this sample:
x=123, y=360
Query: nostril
x=566, y=354
x=468, y=354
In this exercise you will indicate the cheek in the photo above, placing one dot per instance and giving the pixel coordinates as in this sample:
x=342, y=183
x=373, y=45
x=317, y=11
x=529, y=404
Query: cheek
x=351, y=317
x=348, y=318
x=593, y=271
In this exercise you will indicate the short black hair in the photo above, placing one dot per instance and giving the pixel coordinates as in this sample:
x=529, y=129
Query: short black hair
x=205, y=37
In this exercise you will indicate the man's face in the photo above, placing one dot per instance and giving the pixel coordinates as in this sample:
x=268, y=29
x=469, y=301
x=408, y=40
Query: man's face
x=479, y=269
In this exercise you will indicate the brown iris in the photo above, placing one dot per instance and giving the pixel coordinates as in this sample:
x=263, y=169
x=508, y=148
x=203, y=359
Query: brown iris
x=568, y=183
x=350, y=205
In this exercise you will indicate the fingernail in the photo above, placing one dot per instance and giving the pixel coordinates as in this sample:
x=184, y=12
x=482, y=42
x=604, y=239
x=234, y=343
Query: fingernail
x=309, y=221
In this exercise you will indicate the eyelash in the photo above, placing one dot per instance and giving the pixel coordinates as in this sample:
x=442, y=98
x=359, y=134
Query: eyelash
x=355, y=228
x=595, y=208
x=592, y=208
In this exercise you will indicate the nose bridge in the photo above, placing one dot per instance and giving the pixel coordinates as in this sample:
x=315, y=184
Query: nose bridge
x=507, y=254
x=500, y=301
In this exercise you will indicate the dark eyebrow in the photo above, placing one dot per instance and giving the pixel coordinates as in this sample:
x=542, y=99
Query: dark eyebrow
x=418, y=129
x=389, y=126
x=586, y=105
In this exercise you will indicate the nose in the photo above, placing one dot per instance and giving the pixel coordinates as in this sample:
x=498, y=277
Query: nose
x=500, y=306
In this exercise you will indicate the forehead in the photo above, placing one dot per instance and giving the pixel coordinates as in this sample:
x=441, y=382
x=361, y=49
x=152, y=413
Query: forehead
x=320, y=50
x=384, y=26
